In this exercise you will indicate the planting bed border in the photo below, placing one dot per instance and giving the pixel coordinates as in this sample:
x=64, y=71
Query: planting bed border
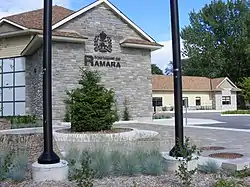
x=132, y=135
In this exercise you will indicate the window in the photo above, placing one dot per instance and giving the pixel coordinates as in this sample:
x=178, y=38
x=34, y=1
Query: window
x=185, y=102
x=12, y=86
x=198, y=101
x=226, y=100
x=157, y=101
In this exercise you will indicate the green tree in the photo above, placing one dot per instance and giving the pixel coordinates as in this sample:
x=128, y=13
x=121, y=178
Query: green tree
x=169, y=68
x=91, y=105
x=245, y=86
x=216, y=40
x=156, y=70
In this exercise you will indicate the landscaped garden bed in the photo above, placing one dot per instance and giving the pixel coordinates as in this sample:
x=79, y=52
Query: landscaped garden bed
x=17, y=122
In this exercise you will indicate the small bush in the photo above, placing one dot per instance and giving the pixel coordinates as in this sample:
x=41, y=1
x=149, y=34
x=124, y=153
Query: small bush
x=164, y=108
x=84, y=175
x=101, y=163
x=91, y=105
x=161, y=116
x=187, y=151
x=115, y=163
x=225, y=183
x=126, y=115
x=13, y=166
x=23, y=121
x=210, y=167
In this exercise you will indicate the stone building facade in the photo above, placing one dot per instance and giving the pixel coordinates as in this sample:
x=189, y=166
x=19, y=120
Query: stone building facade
x=98, y=37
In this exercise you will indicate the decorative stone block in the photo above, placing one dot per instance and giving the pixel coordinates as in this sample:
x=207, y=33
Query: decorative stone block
x=235, y=165
x=173, y=163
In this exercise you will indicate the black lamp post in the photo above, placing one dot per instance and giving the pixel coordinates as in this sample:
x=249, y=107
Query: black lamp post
x=48, y=156
x=176, y=150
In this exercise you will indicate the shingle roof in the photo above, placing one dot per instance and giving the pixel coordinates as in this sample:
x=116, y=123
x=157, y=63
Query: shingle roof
x=34, y=19
x=189, y=83
x=143, y=42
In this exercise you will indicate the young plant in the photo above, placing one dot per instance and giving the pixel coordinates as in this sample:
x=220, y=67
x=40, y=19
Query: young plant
x=84, y=175
x=126, y=115
x=189, y=152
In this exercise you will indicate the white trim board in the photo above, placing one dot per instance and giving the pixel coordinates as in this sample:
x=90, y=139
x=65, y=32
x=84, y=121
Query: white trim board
x=228, y=81
x=12, y=23
x=116, y=10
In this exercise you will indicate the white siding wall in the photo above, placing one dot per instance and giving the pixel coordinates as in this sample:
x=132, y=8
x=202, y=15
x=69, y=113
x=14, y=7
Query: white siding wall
x=218, y=101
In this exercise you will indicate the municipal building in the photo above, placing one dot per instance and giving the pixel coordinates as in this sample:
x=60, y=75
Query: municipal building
x=98, y=36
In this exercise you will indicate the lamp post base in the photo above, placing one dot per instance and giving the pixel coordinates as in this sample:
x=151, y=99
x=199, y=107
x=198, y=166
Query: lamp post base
x=179, y=151
x=50, y=172
x=48, y=158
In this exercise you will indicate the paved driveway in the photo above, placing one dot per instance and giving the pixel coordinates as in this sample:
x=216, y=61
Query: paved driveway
x=236, y=122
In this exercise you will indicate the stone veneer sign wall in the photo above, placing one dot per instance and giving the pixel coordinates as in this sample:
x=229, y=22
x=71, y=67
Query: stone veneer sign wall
x=126, y=70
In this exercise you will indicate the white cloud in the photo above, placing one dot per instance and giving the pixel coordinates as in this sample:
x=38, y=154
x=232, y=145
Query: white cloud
x=163, y=56
x=8, y=7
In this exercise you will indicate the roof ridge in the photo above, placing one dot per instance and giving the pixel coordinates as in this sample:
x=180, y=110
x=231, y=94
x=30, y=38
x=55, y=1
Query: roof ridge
x=31, y=11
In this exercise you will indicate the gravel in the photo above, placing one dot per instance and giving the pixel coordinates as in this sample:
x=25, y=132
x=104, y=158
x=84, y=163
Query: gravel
x=33, y=143
x=168, y=180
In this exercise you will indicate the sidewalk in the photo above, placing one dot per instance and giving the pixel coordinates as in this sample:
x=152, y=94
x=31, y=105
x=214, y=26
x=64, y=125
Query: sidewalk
x=238, y=142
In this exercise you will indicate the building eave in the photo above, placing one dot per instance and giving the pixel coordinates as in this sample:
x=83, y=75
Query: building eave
x=12, y=23
x=141, y=46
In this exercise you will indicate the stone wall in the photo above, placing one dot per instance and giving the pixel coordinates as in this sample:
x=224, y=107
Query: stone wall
x=34, y=81
x=131, y=81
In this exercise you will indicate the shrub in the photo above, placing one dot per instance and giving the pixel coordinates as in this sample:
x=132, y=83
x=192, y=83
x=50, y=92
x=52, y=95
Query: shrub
x=115, y=163
x=187, y=152
x=101, y=163
x=126, y=115
x=225, y=183
x=91, y=105
x=13, y=166
x=210, y=167
x=84, y=175
x=23, y=121
x=161, y=116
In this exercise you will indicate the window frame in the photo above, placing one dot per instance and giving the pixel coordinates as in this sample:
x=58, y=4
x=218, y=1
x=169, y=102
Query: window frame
x=160, y=101
x=197, y=99
x=13, y=86
x=226, y=100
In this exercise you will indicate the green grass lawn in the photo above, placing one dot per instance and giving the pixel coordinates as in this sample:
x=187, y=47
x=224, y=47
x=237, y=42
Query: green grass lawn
x=237, y=112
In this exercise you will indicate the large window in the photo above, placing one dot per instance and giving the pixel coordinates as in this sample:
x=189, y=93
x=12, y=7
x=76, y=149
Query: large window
x=157, y=101
x=226, y=100
x=12, y=86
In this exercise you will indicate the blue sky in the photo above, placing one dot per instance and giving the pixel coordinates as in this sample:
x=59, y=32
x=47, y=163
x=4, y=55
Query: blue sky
x=153, y=16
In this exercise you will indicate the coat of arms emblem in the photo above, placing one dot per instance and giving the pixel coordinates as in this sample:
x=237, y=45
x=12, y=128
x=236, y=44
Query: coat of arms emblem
x=103, y=43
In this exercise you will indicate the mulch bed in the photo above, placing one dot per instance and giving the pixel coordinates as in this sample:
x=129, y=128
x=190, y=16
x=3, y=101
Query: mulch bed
x=212, y=148
x=112, y=131
x=226, y=155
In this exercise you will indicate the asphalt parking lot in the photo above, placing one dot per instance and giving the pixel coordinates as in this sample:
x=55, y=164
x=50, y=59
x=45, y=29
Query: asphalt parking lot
x=236, y=122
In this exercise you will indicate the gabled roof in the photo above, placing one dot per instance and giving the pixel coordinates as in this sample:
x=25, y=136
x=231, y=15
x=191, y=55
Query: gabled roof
x=34, y=19
x=112, y=7
x=189, y=83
